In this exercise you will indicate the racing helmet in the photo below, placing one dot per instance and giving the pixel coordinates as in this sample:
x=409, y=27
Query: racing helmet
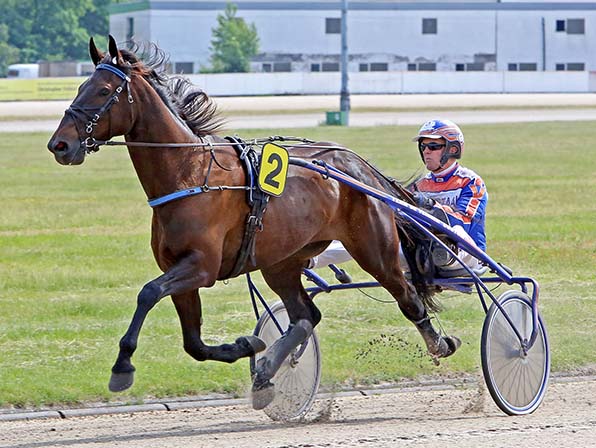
x=447, y=130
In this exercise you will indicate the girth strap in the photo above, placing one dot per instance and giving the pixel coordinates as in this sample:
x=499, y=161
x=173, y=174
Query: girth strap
x=258, y=204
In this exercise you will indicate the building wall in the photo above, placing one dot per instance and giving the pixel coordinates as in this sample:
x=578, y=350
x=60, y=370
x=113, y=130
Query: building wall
x=520, y=39
x=497, y=34
x=246, y=84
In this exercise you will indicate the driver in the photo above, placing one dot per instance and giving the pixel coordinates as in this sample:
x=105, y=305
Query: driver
x=457, y=191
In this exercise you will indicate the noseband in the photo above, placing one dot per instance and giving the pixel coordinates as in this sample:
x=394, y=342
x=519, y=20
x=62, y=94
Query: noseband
x=93, y=114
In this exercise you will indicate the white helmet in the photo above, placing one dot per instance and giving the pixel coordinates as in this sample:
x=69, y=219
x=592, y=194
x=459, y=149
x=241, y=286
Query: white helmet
x=447, y=130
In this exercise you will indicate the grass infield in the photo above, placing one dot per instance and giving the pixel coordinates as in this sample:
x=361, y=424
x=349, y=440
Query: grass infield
x=74, y=252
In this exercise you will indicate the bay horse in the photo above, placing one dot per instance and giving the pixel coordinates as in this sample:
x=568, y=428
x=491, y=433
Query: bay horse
x=170, y=130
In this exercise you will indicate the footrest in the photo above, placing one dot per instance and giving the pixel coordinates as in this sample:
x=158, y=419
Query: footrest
x=450, y=273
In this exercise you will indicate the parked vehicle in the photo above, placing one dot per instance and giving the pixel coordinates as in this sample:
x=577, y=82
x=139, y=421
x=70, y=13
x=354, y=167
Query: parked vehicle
x=24, y=71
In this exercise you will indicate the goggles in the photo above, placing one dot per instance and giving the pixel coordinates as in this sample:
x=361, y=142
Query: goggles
x=432, y=146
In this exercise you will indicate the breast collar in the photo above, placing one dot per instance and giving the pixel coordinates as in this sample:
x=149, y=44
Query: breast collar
x=445, y=175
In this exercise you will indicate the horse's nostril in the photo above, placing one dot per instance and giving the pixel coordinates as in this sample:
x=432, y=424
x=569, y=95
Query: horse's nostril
x=60, y=146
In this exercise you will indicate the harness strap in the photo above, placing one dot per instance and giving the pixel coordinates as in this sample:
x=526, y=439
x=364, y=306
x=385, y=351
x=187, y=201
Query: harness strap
x=247, y=154
x=191, y=192
x=258, y=201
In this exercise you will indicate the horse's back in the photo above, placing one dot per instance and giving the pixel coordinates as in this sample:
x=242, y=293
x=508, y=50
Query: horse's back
x=316, y=208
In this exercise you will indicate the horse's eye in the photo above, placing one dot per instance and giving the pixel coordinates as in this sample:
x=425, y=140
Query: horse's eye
x=104, y=92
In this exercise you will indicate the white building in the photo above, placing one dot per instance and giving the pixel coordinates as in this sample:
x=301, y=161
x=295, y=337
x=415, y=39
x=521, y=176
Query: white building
x=399, y=35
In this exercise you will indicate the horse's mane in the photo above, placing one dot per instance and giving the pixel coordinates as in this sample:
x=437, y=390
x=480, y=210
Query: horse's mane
x=193, y=106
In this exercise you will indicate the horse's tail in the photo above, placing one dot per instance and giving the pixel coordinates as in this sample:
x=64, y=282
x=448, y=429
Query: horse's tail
x=410, y=240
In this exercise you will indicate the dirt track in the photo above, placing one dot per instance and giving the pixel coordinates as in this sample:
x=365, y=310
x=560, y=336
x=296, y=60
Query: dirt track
x=260, y=112
x=422, y=417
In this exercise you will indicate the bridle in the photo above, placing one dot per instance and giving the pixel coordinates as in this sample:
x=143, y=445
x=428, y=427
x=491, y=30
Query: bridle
x=92, y=114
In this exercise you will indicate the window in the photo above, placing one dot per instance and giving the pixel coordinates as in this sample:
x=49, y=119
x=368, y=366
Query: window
x=267, y=67
x=522, y=67
x=130, y=28
x=576, y=26
x=427, y=67
x=184, y=67
x=475, y=67
x=422, y=67
x=330, y=66
x=571, y=66
x=576, y=66
x=429, y=26
x=379, y=67
x=572, y=26
x=332, y=25
x=528, y=66
x=315, y=67
x=470, y=67
x=362, y=67
x=282, y=67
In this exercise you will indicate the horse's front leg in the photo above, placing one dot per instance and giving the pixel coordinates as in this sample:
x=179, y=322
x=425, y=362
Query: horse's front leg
x=187, y=275
x=188, y=307
x=284, y=280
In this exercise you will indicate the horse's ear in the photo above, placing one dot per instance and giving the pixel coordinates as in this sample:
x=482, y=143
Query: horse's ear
x=115, y=55
x=96, y=55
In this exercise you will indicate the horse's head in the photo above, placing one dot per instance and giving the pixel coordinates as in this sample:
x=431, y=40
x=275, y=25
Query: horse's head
x=102, y=108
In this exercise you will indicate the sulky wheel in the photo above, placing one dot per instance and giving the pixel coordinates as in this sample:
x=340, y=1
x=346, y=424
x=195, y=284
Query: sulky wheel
x=516, y=378
x=297, y=380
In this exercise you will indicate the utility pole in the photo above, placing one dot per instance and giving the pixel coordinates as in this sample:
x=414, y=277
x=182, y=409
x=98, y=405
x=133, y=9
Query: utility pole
x=344, y=99
x=543, y=29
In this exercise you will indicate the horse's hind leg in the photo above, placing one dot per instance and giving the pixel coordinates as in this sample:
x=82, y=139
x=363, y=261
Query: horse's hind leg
x=303, y=316
x=414, y=310
x=185, y=276
x=379, y=255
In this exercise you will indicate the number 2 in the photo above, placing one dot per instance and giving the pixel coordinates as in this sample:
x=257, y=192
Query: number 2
x=274, y=158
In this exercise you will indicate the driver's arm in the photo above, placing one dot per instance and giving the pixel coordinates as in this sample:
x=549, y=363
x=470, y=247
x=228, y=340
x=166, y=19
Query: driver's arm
x=466, y=207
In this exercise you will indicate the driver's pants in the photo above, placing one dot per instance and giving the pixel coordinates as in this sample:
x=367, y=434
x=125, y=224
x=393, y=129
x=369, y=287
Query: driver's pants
x=336, y=253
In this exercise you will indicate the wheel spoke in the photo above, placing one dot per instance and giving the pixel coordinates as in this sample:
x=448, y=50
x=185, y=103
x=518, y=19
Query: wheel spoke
x=297, y=381
x=515, y=380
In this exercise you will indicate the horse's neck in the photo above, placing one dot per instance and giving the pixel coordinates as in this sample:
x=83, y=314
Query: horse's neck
x=163, y=170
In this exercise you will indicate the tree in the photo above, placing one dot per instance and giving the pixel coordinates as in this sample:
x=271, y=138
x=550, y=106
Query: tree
x=233, y=43
x=56, y=30
x=8, y=53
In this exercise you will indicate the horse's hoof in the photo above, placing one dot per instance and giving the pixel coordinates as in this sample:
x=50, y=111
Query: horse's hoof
x=257, y=344
x=446, y=346
x=454, y=343
x=121, y=381
x=263, y=395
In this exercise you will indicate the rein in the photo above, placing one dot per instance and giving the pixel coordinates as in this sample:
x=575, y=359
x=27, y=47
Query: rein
x=210, y=146
x=253, y=142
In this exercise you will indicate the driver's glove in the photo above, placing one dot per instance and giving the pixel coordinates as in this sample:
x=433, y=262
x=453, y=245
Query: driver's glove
x=423, y=201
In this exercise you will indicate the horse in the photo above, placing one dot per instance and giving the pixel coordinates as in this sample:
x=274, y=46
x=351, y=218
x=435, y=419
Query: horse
x=170, y=129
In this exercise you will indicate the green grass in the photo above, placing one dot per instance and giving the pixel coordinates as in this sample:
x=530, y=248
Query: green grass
x=74, y=252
